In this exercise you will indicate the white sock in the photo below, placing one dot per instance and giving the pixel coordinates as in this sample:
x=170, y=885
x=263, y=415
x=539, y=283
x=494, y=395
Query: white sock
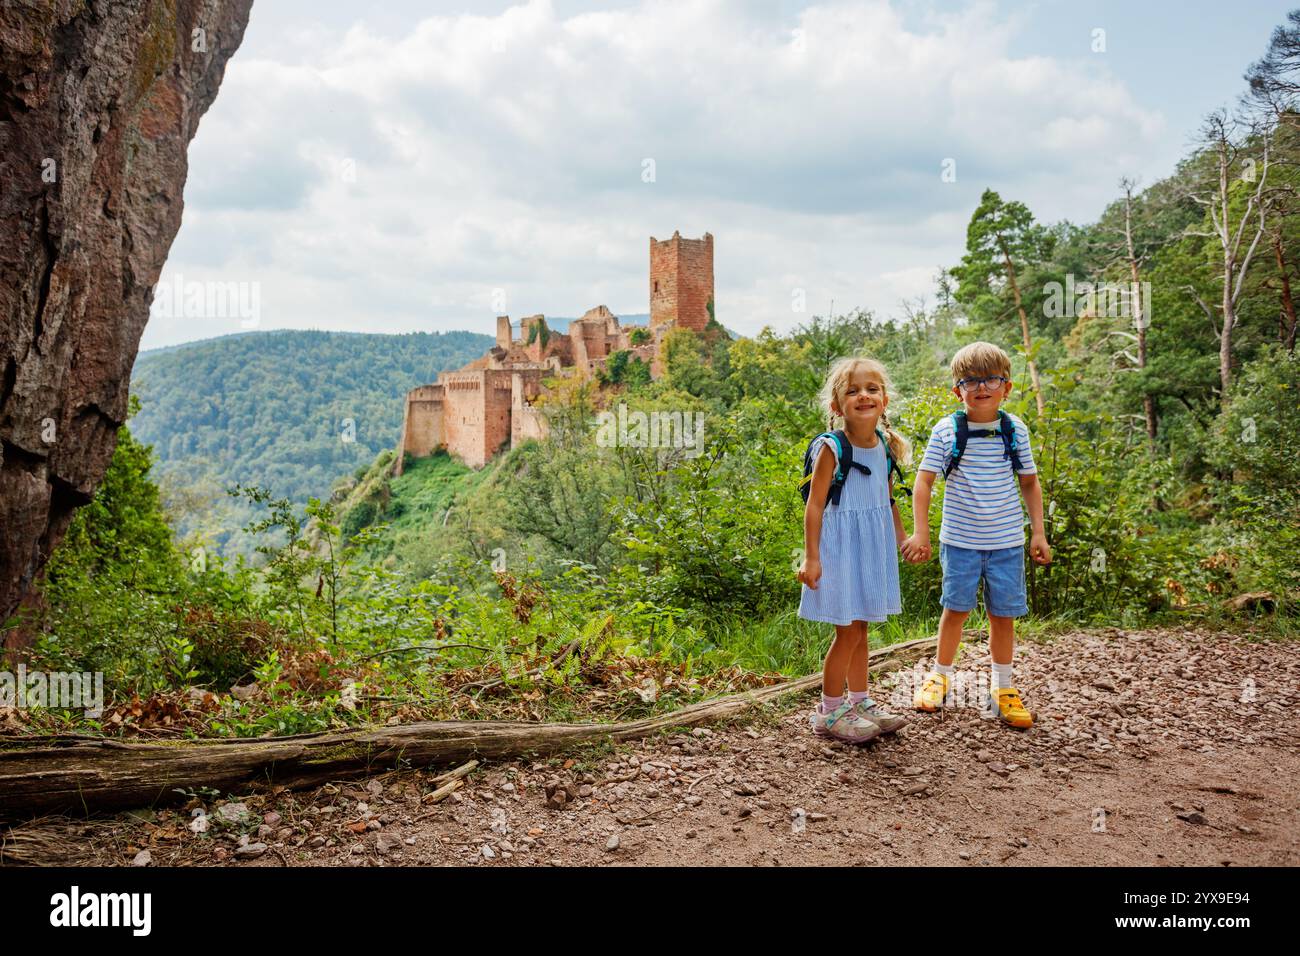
x=1001, y=676
x=857, y=696
x=830, y=703
x=944, y=669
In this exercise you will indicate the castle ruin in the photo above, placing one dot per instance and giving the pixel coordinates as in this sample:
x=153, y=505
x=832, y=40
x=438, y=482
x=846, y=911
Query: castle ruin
x=476, y=411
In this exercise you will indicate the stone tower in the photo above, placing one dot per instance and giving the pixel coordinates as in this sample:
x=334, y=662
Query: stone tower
x=681, y=281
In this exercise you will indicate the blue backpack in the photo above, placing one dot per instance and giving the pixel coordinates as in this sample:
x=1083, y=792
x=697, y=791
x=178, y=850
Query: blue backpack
x=844, y=464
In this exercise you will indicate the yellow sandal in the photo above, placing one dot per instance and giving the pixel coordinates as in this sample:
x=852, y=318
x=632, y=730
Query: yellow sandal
x=1007, y=706
x=932, y=692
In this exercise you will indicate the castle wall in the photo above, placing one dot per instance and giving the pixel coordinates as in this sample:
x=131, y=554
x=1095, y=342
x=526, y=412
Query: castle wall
x=496, y=414
x=526, y=421
x=422, y=424
x=476, y=419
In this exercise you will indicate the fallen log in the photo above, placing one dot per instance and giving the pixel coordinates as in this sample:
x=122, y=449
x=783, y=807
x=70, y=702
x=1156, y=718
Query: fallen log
x=77, y=775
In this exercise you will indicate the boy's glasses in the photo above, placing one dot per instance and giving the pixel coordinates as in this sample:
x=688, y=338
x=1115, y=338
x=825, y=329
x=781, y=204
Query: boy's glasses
x=992, y=381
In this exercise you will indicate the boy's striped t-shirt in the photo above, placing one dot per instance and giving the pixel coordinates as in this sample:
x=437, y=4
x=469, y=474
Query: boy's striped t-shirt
x=981, y=502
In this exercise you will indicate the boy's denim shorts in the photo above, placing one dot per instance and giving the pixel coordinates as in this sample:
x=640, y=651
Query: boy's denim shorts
x=1003, y=572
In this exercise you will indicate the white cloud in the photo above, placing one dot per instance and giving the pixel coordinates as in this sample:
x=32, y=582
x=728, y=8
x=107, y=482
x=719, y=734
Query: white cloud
x=390, y=185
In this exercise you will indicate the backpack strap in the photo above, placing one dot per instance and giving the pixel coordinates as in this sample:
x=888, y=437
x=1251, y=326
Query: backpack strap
x=843, y=462
x=1010, y=446
x=846, y=464
x=841, y=443
x=892, y=467
x=960, y=435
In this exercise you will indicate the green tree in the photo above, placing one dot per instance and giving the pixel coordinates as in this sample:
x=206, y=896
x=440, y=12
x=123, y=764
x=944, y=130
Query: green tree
x=1002, y=241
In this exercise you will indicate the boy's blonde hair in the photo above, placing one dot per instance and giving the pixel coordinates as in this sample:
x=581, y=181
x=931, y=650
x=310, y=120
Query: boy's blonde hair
x=978, y=359
x=837, y=383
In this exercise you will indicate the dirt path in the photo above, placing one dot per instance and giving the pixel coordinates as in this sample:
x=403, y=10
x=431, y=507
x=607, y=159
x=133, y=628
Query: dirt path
x=1151, y=747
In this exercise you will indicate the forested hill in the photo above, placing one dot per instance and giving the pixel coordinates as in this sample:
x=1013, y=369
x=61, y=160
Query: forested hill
x=288, y=410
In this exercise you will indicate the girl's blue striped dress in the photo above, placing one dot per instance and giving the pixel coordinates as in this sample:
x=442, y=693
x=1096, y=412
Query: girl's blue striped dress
x=859, y=552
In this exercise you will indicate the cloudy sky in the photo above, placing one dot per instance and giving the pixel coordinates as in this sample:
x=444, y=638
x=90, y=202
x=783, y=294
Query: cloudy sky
x=430, y=164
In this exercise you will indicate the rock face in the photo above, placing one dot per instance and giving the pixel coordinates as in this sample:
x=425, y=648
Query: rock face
x=99, y=100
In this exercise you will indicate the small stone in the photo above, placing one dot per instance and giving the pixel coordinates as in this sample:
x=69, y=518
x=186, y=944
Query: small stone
x=232, y=812
x=143, y=858
x=612, y=843
x=964, y=854
x=316, y=842
x=488, y=852
x=250, y=851
x=272, y=819
x=1194, y=817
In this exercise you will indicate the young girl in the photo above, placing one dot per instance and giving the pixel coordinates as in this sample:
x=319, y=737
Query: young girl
x=850, y=566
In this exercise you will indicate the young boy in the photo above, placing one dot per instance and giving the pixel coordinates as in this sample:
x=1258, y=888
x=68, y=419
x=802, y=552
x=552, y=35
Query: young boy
x=983, y=533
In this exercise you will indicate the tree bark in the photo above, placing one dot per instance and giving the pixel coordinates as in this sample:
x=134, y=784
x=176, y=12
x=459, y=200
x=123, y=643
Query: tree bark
x=99, y=100
x=60, y=774
x=1148, y=400
x=1286, y=316
x=1024, y=326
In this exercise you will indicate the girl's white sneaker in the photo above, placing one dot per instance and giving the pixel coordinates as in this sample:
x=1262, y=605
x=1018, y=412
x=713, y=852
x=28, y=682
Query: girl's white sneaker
x=887, y=722
x=843, y=723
